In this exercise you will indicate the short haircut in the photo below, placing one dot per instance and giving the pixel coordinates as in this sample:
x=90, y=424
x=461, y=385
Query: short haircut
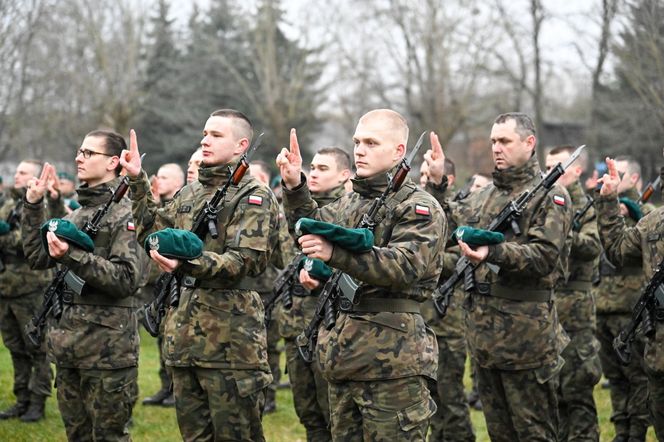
x=242, y=127
x=175, y=168
x=524, y=124
x=36, y=164
x=395, y=119
x=340, y=156
x=114, y=144
x=484, y=175
x=449, y=168
x=583, y=157
x=633, y=166
x=264, y=167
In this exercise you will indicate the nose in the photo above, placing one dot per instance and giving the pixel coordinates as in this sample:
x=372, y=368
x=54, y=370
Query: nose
x=360, y=149
x=204, y=141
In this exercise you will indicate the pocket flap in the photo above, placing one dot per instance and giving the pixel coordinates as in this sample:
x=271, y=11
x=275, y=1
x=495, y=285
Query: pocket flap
x=414, y=415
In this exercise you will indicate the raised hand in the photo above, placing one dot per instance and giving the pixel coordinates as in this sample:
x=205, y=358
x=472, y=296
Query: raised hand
x=130, y=159
x=290, y=162
x=610, y=180
x=37, y=186
x=53, y=185
x=435, y=159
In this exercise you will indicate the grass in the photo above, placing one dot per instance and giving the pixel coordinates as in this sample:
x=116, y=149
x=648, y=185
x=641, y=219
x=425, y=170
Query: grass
x=159, y=424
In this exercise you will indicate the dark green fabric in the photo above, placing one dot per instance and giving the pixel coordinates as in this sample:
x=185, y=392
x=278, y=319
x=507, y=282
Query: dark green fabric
x=65, y=229
x=175, y=243
x=632, y=207
x=4, y=227
x=355, y=240
x=72, y=203
x=477, y=237
x=66, y=176
x=316, y=268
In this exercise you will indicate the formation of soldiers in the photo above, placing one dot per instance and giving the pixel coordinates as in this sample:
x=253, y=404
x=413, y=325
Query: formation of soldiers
x=541, y=302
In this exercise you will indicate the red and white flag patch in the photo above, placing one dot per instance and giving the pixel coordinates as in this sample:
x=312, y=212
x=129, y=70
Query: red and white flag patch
x=131, y=226
x=256, y=200
x=422, y=210
x=559, y=200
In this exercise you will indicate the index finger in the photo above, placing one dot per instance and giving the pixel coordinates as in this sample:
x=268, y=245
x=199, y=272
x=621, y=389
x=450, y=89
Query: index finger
x=133, y=142
x=611, y=167
x=294, y=145
x=45, y=173
x=435, y=145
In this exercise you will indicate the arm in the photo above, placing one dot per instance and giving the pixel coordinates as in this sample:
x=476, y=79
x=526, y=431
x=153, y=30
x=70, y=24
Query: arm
x=622, y=244
x=585, y=243
x=33, y=218
x=299, y=204
x=148, y=217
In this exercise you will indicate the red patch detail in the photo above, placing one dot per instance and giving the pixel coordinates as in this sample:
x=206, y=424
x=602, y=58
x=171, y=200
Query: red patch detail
x=422, y=210
x=256, y=200
x=559, y=200
x=131, y=226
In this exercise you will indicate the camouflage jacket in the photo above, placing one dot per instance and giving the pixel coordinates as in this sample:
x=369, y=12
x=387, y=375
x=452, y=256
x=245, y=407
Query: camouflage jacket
x=574, y=301
x=292, y=322
x=628, y=245
x=617, y=293
x=219, y=322
x=18, y=278
x=98, y=329
x=404, y=263
x=503, y=332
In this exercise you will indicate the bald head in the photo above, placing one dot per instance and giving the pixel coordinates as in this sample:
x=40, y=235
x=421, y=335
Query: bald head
x=380, y=142
x=390, y=121
x=170, y=178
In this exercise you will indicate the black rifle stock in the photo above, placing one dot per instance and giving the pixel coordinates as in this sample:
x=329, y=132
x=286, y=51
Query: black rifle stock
x=579, y=214
x=506, y=219
x=284, y=285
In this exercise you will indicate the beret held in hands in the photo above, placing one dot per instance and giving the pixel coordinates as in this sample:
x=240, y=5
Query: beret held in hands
x=355, y=240
x=632, y=207
x=477, y=237
x=67, y=230
x=175, y=244
x=316, y=268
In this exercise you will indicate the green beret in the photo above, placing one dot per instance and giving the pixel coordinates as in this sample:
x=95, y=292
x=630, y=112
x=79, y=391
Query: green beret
x=316, y=268
x=67, y=230
x=72, y=203
x=66, y=176
x=633, y=208
x=477, y=237
x=4, y=227
x=175, y=243
x=355, y=240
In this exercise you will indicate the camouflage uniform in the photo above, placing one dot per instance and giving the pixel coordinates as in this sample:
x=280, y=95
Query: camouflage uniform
x=310, y=395
x=215, y=340
x=576, y=310
x=95, y=343
x=20, y=297
x=626, y=246
x=377, y=357
x=615, y=297
x=511, y=320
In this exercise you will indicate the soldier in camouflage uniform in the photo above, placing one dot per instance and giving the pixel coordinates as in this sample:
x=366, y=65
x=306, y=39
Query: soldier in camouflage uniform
x=95, y=343
x=511, y=321
x=214, y=339
x=576, y=309
x=616, y=294
x=627, y=245
x=20, y=296
x=329, y=170
x=380, y=353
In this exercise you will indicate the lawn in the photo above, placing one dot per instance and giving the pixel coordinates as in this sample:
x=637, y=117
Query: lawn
x=159, y=424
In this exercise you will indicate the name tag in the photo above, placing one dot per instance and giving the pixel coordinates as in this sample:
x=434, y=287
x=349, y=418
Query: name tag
x=184, y=209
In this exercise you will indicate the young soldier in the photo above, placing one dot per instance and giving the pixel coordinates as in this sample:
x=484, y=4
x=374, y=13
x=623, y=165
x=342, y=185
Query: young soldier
x=214, y=338
x=379, y=354
x=95, y=343
x=193, y=165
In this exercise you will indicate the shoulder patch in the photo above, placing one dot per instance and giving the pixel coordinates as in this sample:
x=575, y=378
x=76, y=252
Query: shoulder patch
x=131, y=226
x=255, y=200
x=421, y=209
x=560, y=200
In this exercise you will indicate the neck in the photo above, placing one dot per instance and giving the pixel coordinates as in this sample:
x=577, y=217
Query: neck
x=97, y=181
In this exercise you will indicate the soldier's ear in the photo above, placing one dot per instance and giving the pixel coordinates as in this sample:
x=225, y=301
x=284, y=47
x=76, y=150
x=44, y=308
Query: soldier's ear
x=241, y=147
x=400, y=151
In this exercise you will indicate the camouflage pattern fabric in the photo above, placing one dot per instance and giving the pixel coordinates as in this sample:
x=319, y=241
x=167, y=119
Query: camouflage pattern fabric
x=95, y=404
x=629, y=246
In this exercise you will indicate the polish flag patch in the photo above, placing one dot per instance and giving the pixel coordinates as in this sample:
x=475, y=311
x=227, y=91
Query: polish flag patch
x=422, y=210
x=256, y=200
x=131, y=226
x=559, y=200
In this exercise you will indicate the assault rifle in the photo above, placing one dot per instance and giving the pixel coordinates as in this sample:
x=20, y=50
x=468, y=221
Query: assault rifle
x=283, y=288
x=506, y=219
x=649, y=190
x=167, y=288
x=643, y=315
x=579, y=214
x=306, y=341
x=52, y=304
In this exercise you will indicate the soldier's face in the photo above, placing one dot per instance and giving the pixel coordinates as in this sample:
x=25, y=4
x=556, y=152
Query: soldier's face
x=571, y=174
x=168, y=182
x=509, y=150
x=424, y=174
x=478, y=183
x=100, y=166
x=193, y=165
x=219, y=143
x=24, y=172
x=377, y=147
x=324, y=174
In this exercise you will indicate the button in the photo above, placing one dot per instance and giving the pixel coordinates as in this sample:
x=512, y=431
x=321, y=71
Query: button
x=403, y=325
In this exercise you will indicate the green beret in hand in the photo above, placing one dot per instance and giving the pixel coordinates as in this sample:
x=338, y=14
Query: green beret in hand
x=72, y=203
x=67, y=230
x=175, y=244
x=4, y=227
x=316, y=268
x=633, y=208
x=477, y=237
x=355, y=240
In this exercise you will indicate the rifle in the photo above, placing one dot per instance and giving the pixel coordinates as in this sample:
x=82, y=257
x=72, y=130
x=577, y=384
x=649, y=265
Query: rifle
x=306, y=341
x=167, y=288
x=642, y=316
x=52, y=304
x=283, y=287
x=506, y=219
x=465, y=191
x=13, y=219
x=579, y=214
x=649, y=190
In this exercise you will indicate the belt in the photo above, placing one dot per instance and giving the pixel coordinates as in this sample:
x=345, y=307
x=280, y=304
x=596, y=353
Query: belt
x=191, y=282
x=577, y=285
x=377, y=305
x=513, y=294
x=69, y=297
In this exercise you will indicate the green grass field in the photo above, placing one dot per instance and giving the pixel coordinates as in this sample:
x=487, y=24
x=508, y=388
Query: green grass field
x=159, y=424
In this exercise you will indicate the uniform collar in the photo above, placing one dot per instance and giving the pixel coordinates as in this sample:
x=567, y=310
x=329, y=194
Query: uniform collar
x=324, y=198
x=513, y=177
x=99, y=194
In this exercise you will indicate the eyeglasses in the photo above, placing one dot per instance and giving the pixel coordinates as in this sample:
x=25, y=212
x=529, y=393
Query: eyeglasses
x=88, y=153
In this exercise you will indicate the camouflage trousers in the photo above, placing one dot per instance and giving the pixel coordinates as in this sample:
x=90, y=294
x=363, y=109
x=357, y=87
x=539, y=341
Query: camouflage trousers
x=310, y=395
x=273, y=355
x=164, y=371
x=628, y=383
x=520, y=405
x=32, y=370
x=215, y=404
x=96, y=405
x=392, y=410
x=578, y=377
x=654, y=364
x=451, y=422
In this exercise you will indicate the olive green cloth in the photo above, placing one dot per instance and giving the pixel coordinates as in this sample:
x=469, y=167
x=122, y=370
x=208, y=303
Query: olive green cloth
x=354, y=240
x=477, y=237
x=632, y=207
x=65, y=229
x=4, y=227
x=316, y=268
x=175, y=243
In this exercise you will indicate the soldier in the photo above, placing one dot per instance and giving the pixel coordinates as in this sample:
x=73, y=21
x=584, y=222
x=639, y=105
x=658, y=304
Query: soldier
x=193, y=165
x=379, y=355
x=625, y=244
x=615, y=296
x=329, y=170
x=576, y=309
x=170, y=179
x=511, y=322
x=214, y=339
x=95, y=343
x=20, y=297
x=67, y=189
